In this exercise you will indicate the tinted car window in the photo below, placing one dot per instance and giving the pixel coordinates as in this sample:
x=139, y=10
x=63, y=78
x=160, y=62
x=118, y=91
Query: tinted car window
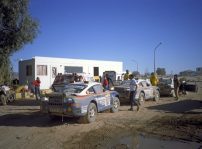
x=98, y=89
x=91, y=90
x=144, y=84
x=74, y=88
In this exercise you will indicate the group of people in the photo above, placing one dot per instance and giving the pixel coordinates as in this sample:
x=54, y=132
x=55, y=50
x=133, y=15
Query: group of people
x=154, y=82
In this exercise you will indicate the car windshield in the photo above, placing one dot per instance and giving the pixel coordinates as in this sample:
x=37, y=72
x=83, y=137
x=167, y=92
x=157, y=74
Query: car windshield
x=74, y=88
x=126, y=83
x=165, y=81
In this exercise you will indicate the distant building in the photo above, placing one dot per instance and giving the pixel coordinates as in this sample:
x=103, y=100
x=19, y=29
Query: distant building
x=46, y=68
x=199, y=70
x=187, y=73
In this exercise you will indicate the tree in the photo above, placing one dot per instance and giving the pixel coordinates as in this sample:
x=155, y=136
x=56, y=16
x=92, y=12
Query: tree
x=17, y=28
x=161, y=71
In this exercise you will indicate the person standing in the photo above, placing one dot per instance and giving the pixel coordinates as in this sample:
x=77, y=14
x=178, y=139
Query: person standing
x=176, y=86
x=110, y=82
x=133, y=89
x=153, y=79
x=126, y=75
x=105, y=83
x=36, y=84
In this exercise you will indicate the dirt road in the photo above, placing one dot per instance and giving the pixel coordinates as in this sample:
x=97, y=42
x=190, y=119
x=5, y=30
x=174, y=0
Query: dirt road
x=163, y=124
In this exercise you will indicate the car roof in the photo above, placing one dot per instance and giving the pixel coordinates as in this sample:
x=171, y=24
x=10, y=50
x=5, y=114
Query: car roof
x=86, y=83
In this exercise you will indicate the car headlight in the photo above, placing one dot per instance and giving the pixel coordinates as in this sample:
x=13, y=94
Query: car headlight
x=68, y=100
x=112, y=88
x=44, y=99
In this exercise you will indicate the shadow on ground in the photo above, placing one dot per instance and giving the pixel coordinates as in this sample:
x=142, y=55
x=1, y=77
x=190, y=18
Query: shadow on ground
x=25, y=102
x=185, y=106
x=33, y=119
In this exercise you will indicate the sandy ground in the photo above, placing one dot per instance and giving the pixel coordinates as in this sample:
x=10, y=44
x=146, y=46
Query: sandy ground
x=164, y=124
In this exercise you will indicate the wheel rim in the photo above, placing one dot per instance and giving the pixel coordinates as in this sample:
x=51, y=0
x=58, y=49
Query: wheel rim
x=141, y=97
x=91, y=112
x=157, y=96
x=116, y=104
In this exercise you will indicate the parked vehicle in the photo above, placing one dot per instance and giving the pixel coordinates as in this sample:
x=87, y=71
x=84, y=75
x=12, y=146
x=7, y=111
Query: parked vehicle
x=6, y=94
x=166, y=87
x=144, y=91
x=82, y=100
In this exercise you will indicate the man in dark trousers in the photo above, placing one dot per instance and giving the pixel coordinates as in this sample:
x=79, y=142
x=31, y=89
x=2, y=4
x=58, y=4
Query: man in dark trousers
x=176, y=86
x=133, y=89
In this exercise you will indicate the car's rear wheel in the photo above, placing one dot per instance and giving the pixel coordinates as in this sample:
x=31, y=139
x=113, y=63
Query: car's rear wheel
x=156, y=96
x=141, y=98
x=3, y=100
x=172, y=93
x=115, y=105
x=91, y=114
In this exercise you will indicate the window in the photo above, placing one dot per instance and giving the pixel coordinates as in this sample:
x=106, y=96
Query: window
x=42, y=70
x=98, y=89
x=96, y=71
x=73, y=69
x=91, y=90
x=29, y=70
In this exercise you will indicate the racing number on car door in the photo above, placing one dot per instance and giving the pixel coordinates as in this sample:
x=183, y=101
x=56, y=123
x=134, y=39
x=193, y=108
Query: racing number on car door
x=102, y=98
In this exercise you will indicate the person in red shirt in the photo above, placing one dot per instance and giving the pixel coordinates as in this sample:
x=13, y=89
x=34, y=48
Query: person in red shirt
x=106, y=83
x=36, y=84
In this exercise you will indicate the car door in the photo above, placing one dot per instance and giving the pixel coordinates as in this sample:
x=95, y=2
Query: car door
x=147, y=89
x=102, y=98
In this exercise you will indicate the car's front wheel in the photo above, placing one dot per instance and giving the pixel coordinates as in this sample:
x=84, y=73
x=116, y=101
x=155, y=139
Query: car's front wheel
x=91, y=114
x=115, y=105
x=3, y=99
x=11, y=98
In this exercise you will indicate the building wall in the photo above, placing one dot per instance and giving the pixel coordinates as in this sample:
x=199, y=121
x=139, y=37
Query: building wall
x=60, y=63
x=199, y=69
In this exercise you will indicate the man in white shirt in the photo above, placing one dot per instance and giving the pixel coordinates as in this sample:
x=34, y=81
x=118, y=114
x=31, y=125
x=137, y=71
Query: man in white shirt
x=133, y=89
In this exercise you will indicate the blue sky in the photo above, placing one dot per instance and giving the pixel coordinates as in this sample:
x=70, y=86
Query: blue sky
x=119, y=30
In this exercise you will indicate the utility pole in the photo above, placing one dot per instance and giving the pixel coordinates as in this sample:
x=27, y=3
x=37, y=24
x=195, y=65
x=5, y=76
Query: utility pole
x=155, y=56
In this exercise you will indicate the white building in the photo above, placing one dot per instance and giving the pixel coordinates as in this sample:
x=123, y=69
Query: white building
x=46, y=68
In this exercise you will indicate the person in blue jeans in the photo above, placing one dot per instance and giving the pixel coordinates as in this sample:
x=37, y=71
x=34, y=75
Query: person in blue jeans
x=133, y=89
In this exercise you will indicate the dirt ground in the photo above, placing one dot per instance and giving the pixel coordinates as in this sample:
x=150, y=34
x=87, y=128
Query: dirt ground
x=23, y=126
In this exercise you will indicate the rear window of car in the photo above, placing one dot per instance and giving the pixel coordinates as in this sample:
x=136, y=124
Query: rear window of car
x=74, y=88
x=165, y=81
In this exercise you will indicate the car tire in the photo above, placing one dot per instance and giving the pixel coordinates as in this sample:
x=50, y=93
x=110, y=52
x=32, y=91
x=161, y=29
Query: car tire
x=115, y=105
x=11, y=98
x=53, y=117
x=156, y=96
x=91, y=114
x=141, y=98
x=172, y=93
x=3, y=100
